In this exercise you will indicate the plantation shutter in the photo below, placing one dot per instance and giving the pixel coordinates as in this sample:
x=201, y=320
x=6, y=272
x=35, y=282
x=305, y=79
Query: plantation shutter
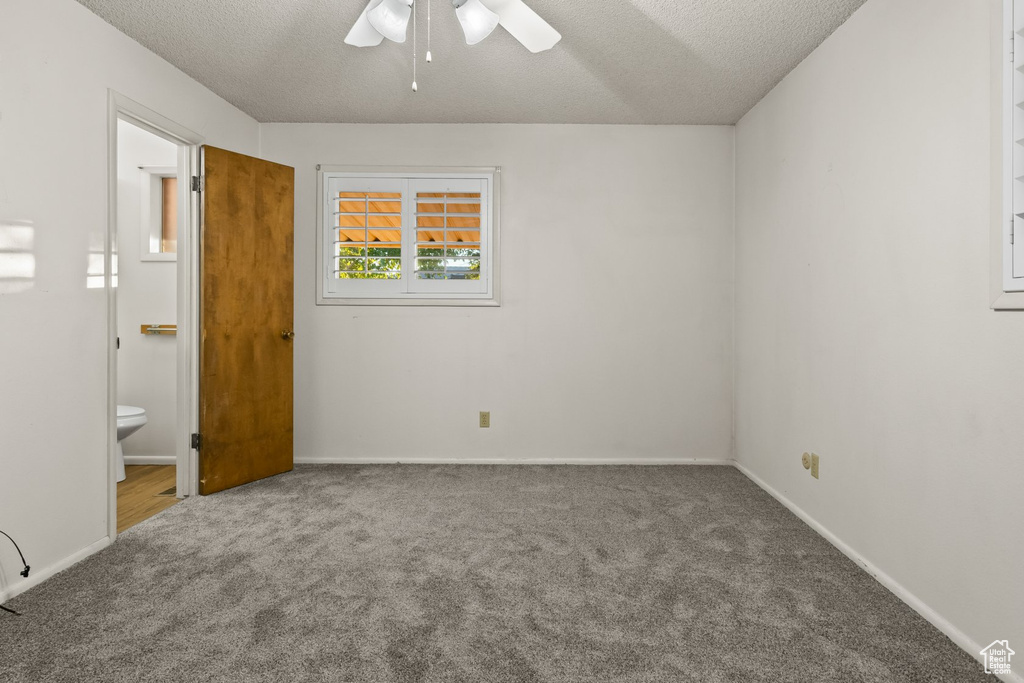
x=450, y=236
x=1014, y=249
x=366, y=233
x=418, y=236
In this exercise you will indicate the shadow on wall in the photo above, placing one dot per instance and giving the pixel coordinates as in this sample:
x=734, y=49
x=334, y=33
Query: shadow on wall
x=17, y=257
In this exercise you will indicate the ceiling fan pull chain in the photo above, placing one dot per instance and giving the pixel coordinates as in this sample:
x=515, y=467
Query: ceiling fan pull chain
x=415, y=88
x=429, y=58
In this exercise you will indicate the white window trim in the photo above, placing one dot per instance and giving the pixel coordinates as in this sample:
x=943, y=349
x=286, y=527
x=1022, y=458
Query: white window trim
x=1006, y=291
x=492, y=256
x=151, y=221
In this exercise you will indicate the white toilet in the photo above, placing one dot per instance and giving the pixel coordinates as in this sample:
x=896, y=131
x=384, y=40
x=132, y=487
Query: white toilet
x=130, y=419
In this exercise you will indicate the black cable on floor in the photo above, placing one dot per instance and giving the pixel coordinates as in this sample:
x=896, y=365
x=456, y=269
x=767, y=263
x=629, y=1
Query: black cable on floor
x=23, y=572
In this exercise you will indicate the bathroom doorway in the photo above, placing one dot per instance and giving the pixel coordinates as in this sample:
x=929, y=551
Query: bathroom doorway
x=152, y=267
x=146, y=250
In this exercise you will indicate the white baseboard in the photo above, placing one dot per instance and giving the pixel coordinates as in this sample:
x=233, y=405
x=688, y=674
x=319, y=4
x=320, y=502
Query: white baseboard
x=962, y=640
x=150, y=460
x=37, y=576
x=511, y=461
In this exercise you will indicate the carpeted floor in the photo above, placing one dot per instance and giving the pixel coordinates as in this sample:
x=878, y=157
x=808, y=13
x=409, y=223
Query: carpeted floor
x=474, y=573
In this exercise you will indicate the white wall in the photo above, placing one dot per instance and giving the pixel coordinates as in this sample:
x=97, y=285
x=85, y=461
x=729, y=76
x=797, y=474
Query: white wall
x=614, y=337
x=57, y=61
x=146, y=295
x=862, y=309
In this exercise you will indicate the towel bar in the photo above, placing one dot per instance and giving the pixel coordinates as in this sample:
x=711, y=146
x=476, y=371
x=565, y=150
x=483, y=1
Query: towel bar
x=159, y=329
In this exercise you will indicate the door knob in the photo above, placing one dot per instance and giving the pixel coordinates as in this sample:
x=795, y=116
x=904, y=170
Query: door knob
x=287, y=335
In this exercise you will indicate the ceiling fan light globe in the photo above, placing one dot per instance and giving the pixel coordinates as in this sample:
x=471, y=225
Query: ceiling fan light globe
x=362, y=33
x=391, y=19
x=477, y=21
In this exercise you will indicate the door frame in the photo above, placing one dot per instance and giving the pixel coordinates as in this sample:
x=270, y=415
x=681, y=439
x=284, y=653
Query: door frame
x=120, y=107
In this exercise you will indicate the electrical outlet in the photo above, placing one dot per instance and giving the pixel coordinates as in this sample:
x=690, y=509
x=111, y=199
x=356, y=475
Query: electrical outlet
x=485, y=419
x=814, y=465
x=806, y=460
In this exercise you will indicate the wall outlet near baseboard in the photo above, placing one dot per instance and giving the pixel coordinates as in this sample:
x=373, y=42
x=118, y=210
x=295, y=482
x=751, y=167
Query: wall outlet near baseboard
x=814, y=465
x=805, y=459
x=485, y=419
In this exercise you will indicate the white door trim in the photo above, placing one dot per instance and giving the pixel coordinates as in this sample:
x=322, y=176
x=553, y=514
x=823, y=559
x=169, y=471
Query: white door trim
x=121, y=107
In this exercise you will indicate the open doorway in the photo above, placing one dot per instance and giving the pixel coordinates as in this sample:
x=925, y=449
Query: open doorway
x=146, y=246
x=153, y=271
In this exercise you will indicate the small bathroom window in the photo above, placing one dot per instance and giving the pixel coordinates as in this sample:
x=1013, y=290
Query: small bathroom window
x=159, y=222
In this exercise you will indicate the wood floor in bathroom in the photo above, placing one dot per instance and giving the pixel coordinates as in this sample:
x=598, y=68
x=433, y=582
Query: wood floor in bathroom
x=138, y=496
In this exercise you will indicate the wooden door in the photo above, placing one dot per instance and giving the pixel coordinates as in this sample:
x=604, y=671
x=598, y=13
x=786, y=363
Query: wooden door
x=246, y=307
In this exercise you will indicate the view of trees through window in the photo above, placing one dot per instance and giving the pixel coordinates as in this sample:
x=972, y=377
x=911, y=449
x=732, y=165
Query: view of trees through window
x=448, y=235
x=370, y=235
x=369, y=245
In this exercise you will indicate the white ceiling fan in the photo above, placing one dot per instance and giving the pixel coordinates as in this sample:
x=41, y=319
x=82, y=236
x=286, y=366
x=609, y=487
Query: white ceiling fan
x=390, y=19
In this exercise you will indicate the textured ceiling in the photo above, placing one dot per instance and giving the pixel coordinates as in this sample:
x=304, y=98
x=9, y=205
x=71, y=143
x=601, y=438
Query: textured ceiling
x=619, y=61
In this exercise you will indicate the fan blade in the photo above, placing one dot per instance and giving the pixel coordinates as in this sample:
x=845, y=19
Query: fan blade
x=362, y=33
x=524, y=24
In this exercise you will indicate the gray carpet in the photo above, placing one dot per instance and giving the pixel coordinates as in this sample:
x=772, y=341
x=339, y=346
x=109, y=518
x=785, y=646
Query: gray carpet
x=474, y=573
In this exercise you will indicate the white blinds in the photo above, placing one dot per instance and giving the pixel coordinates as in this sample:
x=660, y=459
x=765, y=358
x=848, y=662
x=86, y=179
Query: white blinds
x=448, y=235
x=368, y=242
x=1014, y=261
x=388, y=235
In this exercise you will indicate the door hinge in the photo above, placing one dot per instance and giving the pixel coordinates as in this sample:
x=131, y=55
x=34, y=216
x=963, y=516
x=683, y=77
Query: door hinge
x=195, y=441
x=197, y=183
x=1012, y=48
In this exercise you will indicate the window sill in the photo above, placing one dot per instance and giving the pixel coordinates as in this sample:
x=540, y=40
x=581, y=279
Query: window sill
x=493, y=303
x=1008, y=301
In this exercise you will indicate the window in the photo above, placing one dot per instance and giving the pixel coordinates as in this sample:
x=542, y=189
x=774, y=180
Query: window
x=159, y=220
x=413, y=237
x=1013, y=79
